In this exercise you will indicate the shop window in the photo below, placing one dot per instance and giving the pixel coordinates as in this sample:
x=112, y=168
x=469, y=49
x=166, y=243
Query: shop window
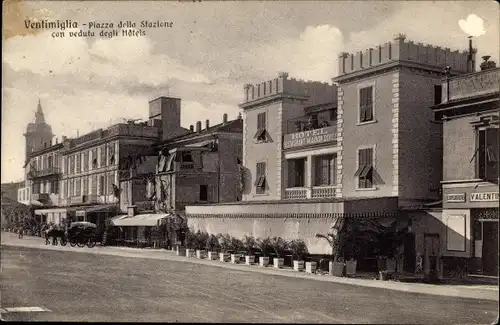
x=486, y=155
x=365, y=168
x=438, y=91
x=203, y=193
x=478, y=230
x=366, y=104
x=260, y=135
x=296, y=172
x=325, y=170
x=260, y=178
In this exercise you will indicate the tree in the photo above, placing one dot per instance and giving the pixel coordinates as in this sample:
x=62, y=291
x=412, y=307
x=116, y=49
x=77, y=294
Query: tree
x=264, y=244
x=335, y=237
x=249, y=244
x=298, y=248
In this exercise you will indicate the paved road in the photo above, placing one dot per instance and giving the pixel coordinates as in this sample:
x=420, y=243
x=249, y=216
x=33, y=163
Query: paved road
x=88, y=287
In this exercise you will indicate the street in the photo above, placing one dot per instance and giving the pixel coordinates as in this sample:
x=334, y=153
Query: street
x=91, y=287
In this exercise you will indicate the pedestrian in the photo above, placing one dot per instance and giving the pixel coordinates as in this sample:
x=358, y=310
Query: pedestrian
x=21, y=232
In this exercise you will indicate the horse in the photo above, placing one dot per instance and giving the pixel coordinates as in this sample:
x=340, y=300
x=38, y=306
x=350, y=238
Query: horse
x=55, y=234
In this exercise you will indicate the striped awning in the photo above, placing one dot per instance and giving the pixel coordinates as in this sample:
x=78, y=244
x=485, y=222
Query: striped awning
x=147, y=220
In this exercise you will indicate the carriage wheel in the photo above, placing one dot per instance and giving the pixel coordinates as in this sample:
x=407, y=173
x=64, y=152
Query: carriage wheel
x=91, y=243
x=81, y=243
x=63, y=242
x=72, y=243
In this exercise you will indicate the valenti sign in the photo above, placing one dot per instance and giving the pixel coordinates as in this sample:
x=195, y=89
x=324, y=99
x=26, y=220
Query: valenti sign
x=307, y=138
x=484, y=197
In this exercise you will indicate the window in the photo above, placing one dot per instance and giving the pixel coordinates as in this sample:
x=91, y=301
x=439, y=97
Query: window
x=438, y=91
x=186, y=157
x=101, y=185
x=486, y=154
x=260, y=178
x=54, y=186
x=103, y=156
x=78, y=162
x=71, y=164
x=325, y=170
x=71, y=187
x=203, y=192
x=111, y=181
x=86, y=161
x=296, y=172
x=260, y=135
x=49, y=162
x=78, y=185
x=94, y=158
x=112, y=158
x=366, y=104
x=85, y=185
x=365, y=168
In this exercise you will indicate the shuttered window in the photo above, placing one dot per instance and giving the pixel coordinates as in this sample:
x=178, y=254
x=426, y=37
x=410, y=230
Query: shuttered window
x=366, y=104
x=365, y=168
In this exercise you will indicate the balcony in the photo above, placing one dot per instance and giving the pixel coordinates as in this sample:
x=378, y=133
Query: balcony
x=309, y=137
x=316, y=192
x=186, y=166
x=42, y=197
x=44, y=172
x=473, y=84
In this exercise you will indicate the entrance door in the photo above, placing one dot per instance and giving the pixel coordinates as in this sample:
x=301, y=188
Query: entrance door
x=409, y=253
x=490, y=248
x=431, y=254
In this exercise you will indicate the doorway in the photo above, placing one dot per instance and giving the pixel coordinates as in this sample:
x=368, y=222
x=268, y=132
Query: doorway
x=431, y=255
x=409, y=253
x=490, y=248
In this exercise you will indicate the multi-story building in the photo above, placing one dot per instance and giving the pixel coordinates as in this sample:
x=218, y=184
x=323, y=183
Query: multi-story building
x=470, y=114
x=42, y=172
x=364, y=148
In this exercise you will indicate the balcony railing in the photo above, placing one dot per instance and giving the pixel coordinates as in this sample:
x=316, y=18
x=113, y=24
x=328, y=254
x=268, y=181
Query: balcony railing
x=42, y=197
x=319, y=192
x=310, y=137
x=296, y=193
x=43, y=172
x=473, y=84
x=186, y=165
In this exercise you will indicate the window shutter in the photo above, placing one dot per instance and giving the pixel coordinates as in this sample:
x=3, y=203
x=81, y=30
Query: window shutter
x=481, y=155
x=369, y=157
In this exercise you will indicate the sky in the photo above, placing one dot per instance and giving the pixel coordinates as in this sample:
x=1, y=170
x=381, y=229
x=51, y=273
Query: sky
x=211, y=51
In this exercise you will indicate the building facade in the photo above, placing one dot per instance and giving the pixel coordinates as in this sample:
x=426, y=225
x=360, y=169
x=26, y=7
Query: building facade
x=469, y=112
x=363, y=148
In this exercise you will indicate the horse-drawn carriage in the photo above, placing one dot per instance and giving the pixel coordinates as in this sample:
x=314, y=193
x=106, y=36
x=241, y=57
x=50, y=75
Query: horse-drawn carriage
x=82, y=233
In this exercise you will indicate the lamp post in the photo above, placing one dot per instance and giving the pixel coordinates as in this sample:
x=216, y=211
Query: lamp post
x=447, y=72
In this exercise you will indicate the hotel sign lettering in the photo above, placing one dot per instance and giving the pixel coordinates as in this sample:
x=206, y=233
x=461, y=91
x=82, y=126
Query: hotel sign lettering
x=460, y=197
x=306, y=138
x=484, y=197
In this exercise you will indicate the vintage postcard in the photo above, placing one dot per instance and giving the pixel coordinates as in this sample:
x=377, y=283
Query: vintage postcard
x=250, y=161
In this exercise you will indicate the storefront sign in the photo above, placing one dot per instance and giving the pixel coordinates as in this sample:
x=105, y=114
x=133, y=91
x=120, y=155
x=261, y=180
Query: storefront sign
x=484, y=197
x=460, y=197
x=306, y=138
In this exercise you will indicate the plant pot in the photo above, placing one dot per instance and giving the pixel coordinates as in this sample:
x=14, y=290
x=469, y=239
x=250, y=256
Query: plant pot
x=350, y=268
x=336, y=268
x=249, y=260
x=391, y=265
x=181, y=251
x=263, y=261
x=311, y=267
x=235, y=258
x=189, y=252
x=278, y=262
x=298, y=265
x=200, y=253
x=224, y=257
x=212, y=256
x=383, y=275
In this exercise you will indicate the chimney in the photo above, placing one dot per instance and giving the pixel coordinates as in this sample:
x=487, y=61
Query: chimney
x=191, y=128
x=470, y=57
x=224, y=118
x=198, y=126
x=207, y=124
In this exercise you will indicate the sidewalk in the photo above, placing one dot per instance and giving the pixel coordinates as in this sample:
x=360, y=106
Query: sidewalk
x=486, y=292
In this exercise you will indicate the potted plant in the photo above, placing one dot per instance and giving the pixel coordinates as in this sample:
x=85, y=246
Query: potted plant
x=299, y=251
x=350, y=267
x=201, y=243
x=237, y=246
x=225, y=245
x=264, y=245
x=334, y=238
x=212, y=245
x=191, y=240
x=278, y=245
x=249, y=244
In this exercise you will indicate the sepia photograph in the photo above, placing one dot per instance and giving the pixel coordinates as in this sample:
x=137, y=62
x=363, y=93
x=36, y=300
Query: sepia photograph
x=191, y=161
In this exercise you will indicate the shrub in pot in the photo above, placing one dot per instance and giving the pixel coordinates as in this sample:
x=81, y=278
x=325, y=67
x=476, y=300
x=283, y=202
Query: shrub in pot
x=191, y=242
x=335, y=239
x=299, y=251
x=237, y=246
x=212, y=246
x=278, y=245
x=249, y=244
x=225, y=246
x=264, y=245
x=350, y=267
x=201, y=243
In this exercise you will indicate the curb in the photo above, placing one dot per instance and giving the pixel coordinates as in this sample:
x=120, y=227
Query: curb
x=439, y=290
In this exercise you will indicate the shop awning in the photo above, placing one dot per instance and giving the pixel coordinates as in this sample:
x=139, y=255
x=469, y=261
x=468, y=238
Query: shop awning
x=81, y=212
x=200, y=144
x=138, y=220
